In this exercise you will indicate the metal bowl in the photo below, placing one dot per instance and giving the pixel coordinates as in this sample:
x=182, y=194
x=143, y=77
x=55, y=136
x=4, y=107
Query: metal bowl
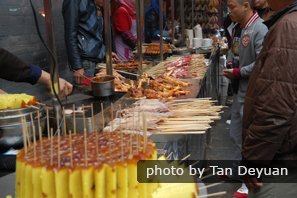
x=103, y=86
x=11, y=126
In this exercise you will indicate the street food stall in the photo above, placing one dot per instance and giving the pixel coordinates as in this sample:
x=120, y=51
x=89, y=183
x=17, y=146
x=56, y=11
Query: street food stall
x=154, y=107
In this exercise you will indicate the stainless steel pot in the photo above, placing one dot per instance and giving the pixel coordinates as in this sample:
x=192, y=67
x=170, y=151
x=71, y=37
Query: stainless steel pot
x=11, y=126
x=103, y=86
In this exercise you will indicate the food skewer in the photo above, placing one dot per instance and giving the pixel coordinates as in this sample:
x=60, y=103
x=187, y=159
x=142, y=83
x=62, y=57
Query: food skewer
x=59, y=148
x=40, y=136
x=92, y=114
x=52, y=145
x=47, y=123
x=24, y=134
x=112, y=118
x=74, y=119
x=121, y=133
x=84, y=117
x=144, y=130
x=64, y=122
x=85, y=147
x=34, y=136
x=102, y=116
x=70, y=147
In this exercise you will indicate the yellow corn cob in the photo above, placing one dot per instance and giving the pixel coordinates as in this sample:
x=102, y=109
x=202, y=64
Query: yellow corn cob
x=48, y=183
x=100, y=182
x=62, y=183
x=122, y=181
x=28, y=181
x=132, y=180
x=88, y=183
x=111, y=181
x=19, y=169
x=36, y=181
x=75, y=184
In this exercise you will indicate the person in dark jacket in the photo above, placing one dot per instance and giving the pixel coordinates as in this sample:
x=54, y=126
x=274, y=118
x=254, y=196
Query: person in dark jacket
x=151, y=22
x=270, y=116
x=14, y=69
x=264, y=11
x=83, y=36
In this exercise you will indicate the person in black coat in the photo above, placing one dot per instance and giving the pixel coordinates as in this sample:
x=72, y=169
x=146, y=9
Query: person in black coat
x=14, y=69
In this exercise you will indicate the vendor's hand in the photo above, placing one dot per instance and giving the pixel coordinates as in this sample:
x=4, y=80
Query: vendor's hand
x=115, y=58
x=79, y=76
x=65, y=87
x=252, y=183
x=229, y=73
x=2, y=92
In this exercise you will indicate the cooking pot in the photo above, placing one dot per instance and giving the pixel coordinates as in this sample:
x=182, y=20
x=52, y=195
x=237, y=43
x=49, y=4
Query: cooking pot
x=11, y=135
x=103, y=86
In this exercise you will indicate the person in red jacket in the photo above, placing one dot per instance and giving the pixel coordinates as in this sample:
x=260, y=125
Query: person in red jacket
x=124, y=24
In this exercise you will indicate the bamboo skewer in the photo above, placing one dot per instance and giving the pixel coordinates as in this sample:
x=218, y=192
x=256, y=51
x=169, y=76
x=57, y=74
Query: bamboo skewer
x=74, y=119
x=214, y=194
x=121, y=133
x=70, y=147
x=24, y=134
x=64, y=122
x=40, y=137
x=145, y=130
x=112, y=118
x=84, y=117
x=47, y=123
x=34, y=136
x=85, y=147
x=59, y=148
x=93, y=120
x=52, y=145
x=102, y=115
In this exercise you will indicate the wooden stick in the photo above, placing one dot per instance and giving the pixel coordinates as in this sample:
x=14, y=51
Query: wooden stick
x=93, y=120
x=58, y=121
x=70, y=147
x=34, y=136
x=39, y=125
x=102, y=116
x=74, y=119
x=170, y=154
x=112, y=118
x=59, y=148
x=84, y=117
x=211, y=185
x=213, y=194
x=131, y=146
x=28, y=136
x=121, y=133
x=52, y=145
x=41, y=143
x=24, y=134
x=185, y=158
x=64, y=121
x=144, y=130
x=86, y=147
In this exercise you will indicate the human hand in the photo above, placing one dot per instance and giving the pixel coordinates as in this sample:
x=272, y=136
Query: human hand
x=252, y=183
x=115, y=58
x=65, y=87
x=79, y=76
x=2, y=92
x=229, y=73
